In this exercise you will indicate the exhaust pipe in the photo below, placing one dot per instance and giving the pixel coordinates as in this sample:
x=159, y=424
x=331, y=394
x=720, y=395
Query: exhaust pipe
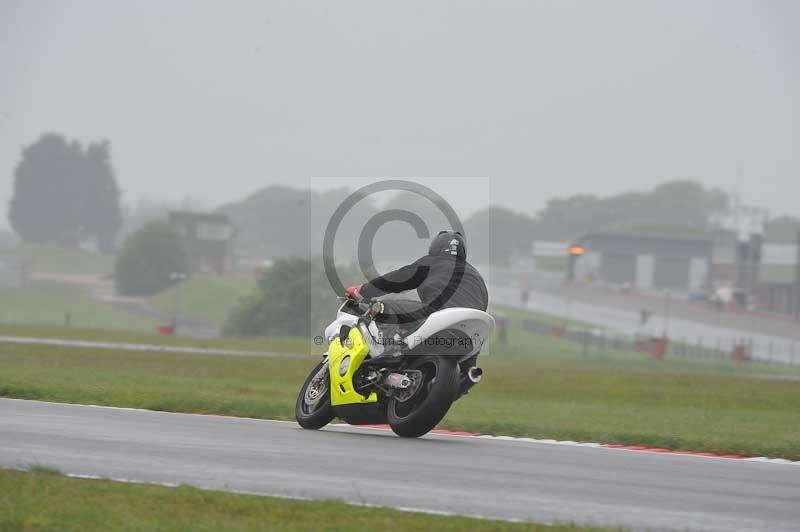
x=475, y=374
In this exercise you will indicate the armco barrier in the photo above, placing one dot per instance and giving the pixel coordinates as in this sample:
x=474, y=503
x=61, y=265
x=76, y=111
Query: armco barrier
x=598, y=341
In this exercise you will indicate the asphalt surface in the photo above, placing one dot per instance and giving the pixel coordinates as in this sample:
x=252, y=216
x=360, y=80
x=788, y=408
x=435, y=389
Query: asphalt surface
x=465, y=475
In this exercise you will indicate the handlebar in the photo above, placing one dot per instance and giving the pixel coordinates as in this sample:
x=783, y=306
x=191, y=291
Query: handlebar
x=364, y=306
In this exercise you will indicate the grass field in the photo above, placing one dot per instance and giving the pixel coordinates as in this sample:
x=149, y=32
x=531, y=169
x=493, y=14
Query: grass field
x=43, y=500
x=48, y=303
x=205, y=297
x=516, y=314
x=50, y=258
x=534, y=386
x=149, y=336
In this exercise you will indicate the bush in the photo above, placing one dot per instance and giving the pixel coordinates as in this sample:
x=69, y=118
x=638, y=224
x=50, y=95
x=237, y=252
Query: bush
x=147, y=259
x=294, y=298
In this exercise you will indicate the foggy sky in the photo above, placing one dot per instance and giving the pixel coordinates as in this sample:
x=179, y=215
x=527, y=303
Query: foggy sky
x=216, y=99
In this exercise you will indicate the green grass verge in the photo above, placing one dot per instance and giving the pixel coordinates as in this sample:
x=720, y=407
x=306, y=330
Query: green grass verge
x=50, y=258
x=41, y=500
x=262, y=387
x=289, y=345
x=48, y=303
x=517, y=314
x=534, y=386
x=205, y=297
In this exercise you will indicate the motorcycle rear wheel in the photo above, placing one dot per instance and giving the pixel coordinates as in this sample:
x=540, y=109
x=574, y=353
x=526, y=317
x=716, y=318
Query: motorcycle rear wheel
x=313, y=408
x=422, y=412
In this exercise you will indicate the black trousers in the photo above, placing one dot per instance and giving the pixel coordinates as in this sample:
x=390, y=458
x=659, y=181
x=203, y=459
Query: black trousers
x=406, y=316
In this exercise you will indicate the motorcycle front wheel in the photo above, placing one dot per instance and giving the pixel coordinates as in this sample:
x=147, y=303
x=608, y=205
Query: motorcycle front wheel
x=420, y=413
x=313, y=407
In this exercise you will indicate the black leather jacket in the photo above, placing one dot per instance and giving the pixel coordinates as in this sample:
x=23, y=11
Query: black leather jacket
x=442, y=281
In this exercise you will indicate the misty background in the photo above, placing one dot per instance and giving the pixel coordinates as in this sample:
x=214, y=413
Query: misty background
x=212, y=102
x=627, y=173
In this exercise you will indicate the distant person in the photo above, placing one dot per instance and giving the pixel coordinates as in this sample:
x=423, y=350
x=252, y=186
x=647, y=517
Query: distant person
x=502, y=327
x=524, y=292
x=644, y=317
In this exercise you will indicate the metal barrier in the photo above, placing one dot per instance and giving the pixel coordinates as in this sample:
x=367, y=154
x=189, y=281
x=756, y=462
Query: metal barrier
x=600, y=341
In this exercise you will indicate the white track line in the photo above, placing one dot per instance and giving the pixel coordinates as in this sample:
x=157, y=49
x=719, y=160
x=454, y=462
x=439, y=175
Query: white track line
x=123, y=346
x=693, y=454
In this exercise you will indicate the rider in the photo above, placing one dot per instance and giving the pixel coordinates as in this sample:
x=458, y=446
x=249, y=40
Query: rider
x=443, y=279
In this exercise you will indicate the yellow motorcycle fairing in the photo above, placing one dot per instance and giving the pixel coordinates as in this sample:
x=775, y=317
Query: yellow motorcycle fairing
x=355, y=347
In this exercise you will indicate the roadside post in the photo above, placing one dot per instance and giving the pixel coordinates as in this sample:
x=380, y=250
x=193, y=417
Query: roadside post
x=658, y=347
x=179, y=277
x=575, y=252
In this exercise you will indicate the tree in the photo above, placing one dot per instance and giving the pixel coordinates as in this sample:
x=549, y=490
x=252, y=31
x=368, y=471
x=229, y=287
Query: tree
x=272, y=222
x=783, y=229
x=147, y=259
x=294, y=298
x=397, y=241
x=496, y=234
x=101, y=215
x=43, y=207
x=675, y=204
x=279, y=221
x=65, y=194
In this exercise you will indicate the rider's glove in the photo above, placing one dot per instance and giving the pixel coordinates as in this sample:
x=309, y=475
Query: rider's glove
x=354, y=293
x=375, y=309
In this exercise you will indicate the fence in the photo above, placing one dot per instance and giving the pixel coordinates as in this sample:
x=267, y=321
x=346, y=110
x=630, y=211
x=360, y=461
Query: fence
x=785, y=352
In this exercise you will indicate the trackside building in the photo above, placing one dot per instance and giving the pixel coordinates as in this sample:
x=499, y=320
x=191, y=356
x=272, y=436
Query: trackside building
x=207, y=238
x=681, y=264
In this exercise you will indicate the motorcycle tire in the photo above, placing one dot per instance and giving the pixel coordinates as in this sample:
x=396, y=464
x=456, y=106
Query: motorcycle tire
x=422, y=412
x=313, y=408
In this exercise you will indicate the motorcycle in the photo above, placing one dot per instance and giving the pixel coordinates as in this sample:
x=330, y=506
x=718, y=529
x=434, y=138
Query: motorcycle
x=411, y=392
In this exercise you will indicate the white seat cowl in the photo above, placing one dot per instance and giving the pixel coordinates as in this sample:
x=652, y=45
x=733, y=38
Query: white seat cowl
x=474, y=323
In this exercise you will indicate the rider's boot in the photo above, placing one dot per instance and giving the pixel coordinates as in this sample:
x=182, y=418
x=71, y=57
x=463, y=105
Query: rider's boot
x=391, y=355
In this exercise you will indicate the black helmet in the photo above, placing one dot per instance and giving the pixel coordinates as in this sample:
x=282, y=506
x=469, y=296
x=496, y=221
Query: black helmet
x=449, y=243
